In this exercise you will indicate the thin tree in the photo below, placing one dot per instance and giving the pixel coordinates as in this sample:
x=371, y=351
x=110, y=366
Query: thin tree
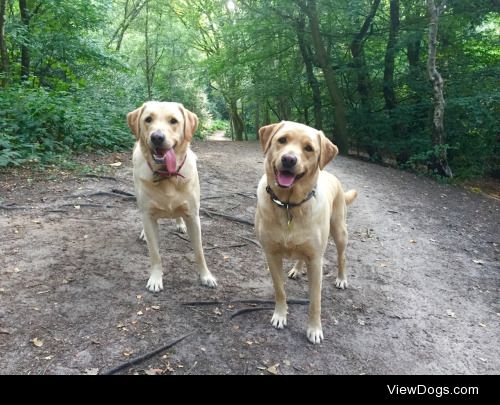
x=25, y=52
x=4, y=57
x=358, y=55
x=390, y=53
x=307, y=57
x=440, y=159
x=340, y=128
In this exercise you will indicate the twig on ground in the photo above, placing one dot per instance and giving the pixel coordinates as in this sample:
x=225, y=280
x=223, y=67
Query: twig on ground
x=12, y=207
x=146, y=356
x=226, y=247
x=207, y=214
x=229, y=217
x=95, y=176
x=116, y=191
x=191, y=369
x=212, y=197
x=251, y=240
x=89, y=205
x=113, y=194
x=246, y=195
x=180, y=236
x=249, y=301
x=246, y=310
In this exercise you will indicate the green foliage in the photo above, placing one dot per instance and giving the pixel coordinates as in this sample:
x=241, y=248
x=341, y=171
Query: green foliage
x=213, y=126
x=92, y=62
x=37, y=125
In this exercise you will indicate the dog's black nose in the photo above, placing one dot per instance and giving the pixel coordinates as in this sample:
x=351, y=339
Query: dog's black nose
x=288, y=161
x=157, y=138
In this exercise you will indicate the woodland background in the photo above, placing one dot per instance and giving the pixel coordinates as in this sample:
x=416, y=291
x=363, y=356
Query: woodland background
x=357, y=69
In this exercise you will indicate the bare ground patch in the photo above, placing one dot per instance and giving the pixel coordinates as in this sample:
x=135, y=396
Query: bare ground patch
x=422, y=263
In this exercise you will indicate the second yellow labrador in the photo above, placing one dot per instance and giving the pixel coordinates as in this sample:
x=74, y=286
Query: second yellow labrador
x=166, y=179
x=299, y=206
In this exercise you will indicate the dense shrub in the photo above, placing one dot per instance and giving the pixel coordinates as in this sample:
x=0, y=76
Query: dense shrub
x=40, y=125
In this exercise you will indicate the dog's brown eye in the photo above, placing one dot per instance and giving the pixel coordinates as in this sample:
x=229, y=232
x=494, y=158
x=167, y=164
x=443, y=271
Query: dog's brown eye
x=309, y=148
x=282, y=140
x=149, y=120
x=173, y=121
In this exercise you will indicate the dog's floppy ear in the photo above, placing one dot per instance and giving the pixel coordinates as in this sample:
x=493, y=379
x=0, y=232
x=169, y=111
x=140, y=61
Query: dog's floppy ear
x=327, y=150
x=266, y=135
x=133, y=120
x=190, y=123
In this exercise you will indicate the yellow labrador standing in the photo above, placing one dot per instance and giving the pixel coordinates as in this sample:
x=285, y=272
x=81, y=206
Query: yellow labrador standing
x=166, y=179
x=299, y=206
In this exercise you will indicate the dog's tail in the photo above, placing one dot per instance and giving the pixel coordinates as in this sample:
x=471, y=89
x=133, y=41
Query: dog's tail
x=350, y=196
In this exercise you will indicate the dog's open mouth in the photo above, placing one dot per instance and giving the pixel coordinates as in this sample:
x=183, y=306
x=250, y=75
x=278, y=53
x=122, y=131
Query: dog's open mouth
x=166, y=157
x=286, y=178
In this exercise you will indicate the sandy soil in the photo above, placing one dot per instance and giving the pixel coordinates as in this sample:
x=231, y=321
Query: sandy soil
x=422, y=263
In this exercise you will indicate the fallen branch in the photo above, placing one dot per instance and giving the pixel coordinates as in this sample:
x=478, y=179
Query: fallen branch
x=246, y=196
x=180, y=236
x=226, y=247
x=245, y=310
x=229, y=217
x=117, y=193
x=212, y=197
x=89, y=205
x=126, y=193
x=12, y=207
x=250, y=301
x=146, y=356
x=95, y=176
x=251, y=240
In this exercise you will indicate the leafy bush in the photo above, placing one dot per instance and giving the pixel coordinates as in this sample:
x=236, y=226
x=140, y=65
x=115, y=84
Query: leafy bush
x=38, y=125
x=212, y=126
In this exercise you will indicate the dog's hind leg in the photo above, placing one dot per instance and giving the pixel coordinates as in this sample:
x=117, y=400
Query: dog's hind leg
x=194, y=231
x=180, y=225
x=155, y=282
x=297, y=270
x=338, y=230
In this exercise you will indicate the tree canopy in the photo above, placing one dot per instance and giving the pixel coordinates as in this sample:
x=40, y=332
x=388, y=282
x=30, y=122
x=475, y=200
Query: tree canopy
x=356, y=69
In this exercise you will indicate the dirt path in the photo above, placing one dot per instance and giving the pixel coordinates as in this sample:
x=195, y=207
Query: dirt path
x=218, y=136
x=422, y=263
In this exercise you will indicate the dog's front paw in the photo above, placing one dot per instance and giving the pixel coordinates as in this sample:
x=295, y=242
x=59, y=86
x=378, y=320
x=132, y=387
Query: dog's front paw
x=155, y=282
x=180, y=226
x=315, y=334
x=341, y=283
x=208, y=281
x=279, y=319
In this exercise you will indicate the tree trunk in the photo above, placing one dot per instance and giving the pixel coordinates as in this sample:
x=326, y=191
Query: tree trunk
x=440, y=160
x=357, y=51
x=257, y=118
x=4, y=57
x=390, y=53
x=267, y=115
x=148, y=60
x=340, y=127
x=311, y=79
x=236, y=120
x=25, y=52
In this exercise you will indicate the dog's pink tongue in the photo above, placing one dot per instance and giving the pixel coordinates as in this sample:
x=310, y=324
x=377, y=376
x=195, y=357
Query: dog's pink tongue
x=170, y=161
x=285, y=179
